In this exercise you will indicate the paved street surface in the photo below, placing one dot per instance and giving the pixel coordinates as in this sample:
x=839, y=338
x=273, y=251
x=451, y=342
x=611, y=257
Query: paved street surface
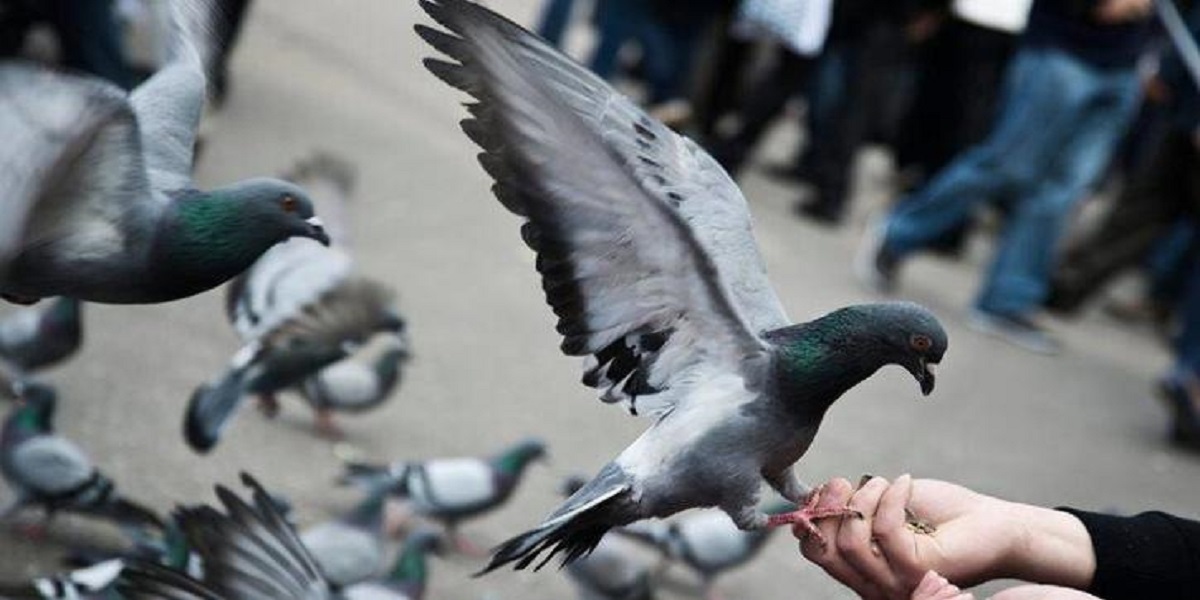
x=1080, y=429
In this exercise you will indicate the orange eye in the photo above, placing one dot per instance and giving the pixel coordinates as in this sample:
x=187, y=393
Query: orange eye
x=921, y=343
x=289, y=204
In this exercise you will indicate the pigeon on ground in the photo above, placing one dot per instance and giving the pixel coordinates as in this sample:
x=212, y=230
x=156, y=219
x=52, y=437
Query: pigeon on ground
x=32, y=339
x=351, y=548
x=452, y=490
x=408, y=576
x=99, y=203
x=359, y=382
x=710, y=544
x=249, y=550
x=49, y=471
x=96, y=582
x=648, y=259
x=299, y=309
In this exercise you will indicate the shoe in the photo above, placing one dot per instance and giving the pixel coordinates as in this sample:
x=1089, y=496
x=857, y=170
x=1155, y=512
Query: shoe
x=817, y=213
x=1018, y=330
x=874, y=266
x=786, y=172
x=1185, y=423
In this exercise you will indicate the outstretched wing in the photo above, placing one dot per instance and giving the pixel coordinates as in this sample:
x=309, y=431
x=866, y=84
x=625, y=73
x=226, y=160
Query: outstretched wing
x=71, y=162
x=616, y=207
x=170, y=103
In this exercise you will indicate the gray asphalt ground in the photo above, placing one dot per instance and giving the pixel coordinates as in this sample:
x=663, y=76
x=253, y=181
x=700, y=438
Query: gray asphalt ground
x=1079, y=429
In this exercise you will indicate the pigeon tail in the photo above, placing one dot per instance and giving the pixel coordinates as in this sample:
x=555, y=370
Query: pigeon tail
x=368, y=476
x=210, y=408
x=573, y=530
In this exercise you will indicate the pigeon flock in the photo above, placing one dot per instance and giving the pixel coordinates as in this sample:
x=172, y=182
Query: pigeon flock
x=647, y=258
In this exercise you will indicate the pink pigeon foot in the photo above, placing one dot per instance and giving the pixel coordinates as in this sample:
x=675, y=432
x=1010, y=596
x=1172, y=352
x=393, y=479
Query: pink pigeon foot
x=803, y=520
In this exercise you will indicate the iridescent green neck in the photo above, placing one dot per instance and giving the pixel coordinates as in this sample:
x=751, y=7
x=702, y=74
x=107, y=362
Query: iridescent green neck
x=410, y=568
x=211, y=238
x=514, y=460
x=368, y=513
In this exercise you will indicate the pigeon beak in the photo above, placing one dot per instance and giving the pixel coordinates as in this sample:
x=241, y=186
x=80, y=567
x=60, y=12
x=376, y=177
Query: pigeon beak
x=925, y=376
x=316, y=230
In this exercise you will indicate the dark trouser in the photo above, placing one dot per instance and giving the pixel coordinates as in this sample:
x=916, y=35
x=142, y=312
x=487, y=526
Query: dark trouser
x=87, y=32
x=1167, y=190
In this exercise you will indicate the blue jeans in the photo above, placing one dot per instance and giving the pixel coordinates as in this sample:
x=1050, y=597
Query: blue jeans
x=1187, y=345
x=1060, y=119
x=556, y=16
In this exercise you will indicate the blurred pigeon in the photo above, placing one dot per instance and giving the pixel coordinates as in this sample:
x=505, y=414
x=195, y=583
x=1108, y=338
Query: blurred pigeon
x=99, y=202
x=408, y=575
x=452, y=490
x=298, y=310
x=96, y=582
x=35, y=338
x=351, y=548
x=710, y=544
x=50, y=471
x=358, y=383
x=647, y=257
x=248, y=551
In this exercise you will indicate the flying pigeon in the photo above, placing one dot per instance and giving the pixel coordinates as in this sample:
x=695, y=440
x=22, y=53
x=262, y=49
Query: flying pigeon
x=351, y=548
x=298, y=310
x=95, y=582
x=452, y=490
x=408, y=575
x=50, y=471
x=249, y=550
x=32, y=339
x=648, y=259
x=98, y=201
x=617, y=568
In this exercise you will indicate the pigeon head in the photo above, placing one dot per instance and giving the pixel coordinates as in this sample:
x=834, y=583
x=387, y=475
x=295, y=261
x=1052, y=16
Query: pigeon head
x=514, y=459
x=278, y=208
x=908, y=335
x=35, y=411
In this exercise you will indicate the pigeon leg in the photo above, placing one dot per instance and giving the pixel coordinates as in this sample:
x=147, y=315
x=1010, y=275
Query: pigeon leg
x=802, y=521
x=788, y=484
x=268, y=405
x=464, y=546
x=325, y=425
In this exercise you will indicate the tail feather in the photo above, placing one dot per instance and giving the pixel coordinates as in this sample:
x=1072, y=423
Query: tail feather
x=210, y=408
x=128, y=512
x=573, y=531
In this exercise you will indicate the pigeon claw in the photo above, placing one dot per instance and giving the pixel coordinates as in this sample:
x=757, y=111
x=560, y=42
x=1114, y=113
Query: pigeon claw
x=803, y=521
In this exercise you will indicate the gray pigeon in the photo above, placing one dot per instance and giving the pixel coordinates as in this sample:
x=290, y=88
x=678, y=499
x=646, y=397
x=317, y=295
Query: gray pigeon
x=408, y=575
x=95, y=582
x=452, y=490
x=249, y=550
x=51, y=472
x=32, y=339
x=648, y=258
x=616, y=569
x=99, y=202
x=300, y=309
x=351, y=548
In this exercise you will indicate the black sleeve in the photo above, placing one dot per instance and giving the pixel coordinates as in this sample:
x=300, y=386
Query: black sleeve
x=1151, y=555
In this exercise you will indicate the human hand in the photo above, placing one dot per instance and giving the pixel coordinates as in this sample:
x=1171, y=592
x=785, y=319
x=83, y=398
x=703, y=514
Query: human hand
x=1113, y=12
x=976, y=538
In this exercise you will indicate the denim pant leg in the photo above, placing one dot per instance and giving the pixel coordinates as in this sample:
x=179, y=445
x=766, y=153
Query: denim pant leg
x=1187, y=345
x=1019, y=278
x=556, y=15
x=1035, y=118
x=617, y=22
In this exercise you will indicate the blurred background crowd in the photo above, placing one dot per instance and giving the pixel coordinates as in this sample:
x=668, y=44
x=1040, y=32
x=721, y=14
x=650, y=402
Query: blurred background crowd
x=1063, y=135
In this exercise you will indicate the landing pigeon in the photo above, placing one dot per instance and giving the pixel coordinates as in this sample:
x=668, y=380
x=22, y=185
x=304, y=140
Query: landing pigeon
x=452, y=490
x=49, y=471
x=299, y=309
x=35, y=338
x=647, y=257
x=98, y=200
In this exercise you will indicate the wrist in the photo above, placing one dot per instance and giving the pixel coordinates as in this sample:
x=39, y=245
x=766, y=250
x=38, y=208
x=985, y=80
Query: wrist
x=1047, y=546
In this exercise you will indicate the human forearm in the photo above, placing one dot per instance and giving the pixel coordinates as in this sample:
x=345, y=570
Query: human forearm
x=1048, y=546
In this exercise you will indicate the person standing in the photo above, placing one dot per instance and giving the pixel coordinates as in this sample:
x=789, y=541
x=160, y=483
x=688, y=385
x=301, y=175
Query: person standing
x=1070, y=93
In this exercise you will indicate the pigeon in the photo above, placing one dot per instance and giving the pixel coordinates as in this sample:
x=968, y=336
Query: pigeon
x=647, y=257
x=99, y=202
x=452, y=490
x=407, y=577
x=96, y=582
x=615, y=569
x=299, y=309
x=32, y=339
x=710, y=544
x=359, y=382
x=248, y=550
x=351, y=548
x=50, y=471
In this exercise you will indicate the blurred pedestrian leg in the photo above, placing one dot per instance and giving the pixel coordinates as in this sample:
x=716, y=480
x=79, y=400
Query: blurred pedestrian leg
x=227, y=32
x=617, y=23
x=1181, y=386
x=556, y=16
x=88, y=35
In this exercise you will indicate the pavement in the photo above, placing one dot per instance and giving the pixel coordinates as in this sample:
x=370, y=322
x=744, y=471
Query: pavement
x=1080, y=429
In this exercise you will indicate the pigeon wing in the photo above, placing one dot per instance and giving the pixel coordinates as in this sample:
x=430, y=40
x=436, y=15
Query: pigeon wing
x=624, y=267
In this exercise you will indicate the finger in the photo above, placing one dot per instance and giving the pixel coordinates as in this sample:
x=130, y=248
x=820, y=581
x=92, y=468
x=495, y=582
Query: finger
x=930, y=584
x=897, y=542
x=834, y=494
x=854, y=542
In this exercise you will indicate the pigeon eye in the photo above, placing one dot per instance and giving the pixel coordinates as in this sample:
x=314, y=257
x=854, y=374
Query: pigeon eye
x=289, y=204
x=921, y=343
